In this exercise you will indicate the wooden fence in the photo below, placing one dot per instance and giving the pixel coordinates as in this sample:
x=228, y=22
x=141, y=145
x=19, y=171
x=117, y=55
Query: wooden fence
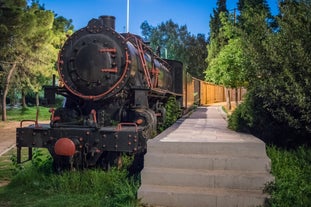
x=199, y=92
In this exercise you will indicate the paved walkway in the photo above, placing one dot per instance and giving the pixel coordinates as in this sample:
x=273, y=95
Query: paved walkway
x=199, y=162
x=206, y=124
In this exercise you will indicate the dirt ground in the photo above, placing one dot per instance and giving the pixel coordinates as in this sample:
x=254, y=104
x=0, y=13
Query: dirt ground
x=7, y=135
x=7, y=141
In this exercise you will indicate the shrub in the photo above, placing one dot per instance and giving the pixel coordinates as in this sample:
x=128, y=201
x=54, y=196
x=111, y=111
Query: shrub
x=292, y=170
x=172, y=113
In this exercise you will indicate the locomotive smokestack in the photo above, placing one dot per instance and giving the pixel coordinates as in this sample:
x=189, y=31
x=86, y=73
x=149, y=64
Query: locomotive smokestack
x=108, y=21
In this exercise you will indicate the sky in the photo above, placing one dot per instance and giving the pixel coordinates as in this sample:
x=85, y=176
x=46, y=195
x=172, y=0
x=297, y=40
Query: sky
x=195, y=14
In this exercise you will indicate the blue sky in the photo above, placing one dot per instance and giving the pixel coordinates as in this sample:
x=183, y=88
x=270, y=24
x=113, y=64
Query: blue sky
x=193, y=13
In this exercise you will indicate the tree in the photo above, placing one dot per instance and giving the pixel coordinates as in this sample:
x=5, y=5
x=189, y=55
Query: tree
x=216, y=39
x=227, y=67
x=215, y=23
x=289, y=98
x=12, y=29
x=277, y=107
x=175, y=42
x=30, y=40
x=41, y=54
x=195, y=54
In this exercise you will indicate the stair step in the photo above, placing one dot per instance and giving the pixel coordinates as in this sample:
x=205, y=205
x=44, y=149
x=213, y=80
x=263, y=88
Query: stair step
x=207, y=162
x=178, y=196
x=199, y=162
x=240, y=149
x=205, y=178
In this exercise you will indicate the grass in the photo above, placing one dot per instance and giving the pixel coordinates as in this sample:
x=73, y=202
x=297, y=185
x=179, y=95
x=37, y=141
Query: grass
x=28, y=113
x=292, y=171
x=81, y=188
x=6, y=167
x=34, y=184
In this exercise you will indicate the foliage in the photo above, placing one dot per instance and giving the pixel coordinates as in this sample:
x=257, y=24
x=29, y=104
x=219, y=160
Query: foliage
x=289, y=99
x=226, y=58
x=172, y=113
x=36, y=185
x=175, y=42
x=217, y=39
x=215, y=23
x=226, y=67
x=279, y=79
x=292, y=185
x=240, y=120
x=30, y=38
x=194, y=53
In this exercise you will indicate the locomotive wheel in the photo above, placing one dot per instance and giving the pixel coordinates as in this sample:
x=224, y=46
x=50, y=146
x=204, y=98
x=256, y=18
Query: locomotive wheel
x=137, y=165
x=110, y=159
x=61, y=163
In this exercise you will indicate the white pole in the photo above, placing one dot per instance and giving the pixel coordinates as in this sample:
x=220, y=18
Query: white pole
x=128, y=16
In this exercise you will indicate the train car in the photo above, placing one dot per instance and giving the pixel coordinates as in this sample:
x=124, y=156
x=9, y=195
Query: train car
x=115, y=89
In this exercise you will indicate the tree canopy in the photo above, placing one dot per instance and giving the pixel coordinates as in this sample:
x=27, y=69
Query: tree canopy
x=175, y=42
x=273, y=58
x=30, y=39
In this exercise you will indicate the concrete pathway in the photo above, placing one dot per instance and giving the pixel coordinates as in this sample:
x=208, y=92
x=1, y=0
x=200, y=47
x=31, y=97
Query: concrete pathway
x=199, y=162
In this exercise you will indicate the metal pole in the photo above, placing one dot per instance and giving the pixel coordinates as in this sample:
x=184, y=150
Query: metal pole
x=128, y=16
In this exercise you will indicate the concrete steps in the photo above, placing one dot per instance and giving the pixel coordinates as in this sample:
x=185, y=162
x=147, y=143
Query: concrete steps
x=210, y=166
x=173, y=196
x=207, y=162
x=206, y=178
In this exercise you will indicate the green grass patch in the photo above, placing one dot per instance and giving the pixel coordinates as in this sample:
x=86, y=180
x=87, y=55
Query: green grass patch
x=6, y=168
x=292, y=171
x=28, y=113
x=81, y=188
x=34, y=184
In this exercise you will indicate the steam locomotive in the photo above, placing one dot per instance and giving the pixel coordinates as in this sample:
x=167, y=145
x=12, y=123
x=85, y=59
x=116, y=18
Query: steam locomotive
x=115, y=89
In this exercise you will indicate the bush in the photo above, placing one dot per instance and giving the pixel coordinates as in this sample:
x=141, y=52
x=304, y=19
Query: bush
x=251, y=116
x=292, y=170
x=241, y=119
x=172, y=113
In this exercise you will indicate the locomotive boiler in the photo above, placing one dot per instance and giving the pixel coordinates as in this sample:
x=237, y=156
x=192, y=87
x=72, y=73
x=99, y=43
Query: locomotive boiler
x=115, y=89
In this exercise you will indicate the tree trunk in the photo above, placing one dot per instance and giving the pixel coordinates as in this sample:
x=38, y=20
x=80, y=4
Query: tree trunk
x=24, y=105
x=37, y=99
x=6, y=90
x=228, y=98
x=236, y=97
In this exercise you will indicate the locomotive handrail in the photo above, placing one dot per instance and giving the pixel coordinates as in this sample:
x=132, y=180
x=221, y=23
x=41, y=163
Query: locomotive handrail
x=28, y=120
x=139, y=45
x=119, y=126
x=35, y=121
x=143, y=61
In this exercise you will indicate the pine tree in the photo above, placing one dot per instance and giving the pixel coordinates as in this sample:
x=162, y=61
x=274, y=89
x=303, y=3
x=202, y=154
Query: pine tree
x=215, y=23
